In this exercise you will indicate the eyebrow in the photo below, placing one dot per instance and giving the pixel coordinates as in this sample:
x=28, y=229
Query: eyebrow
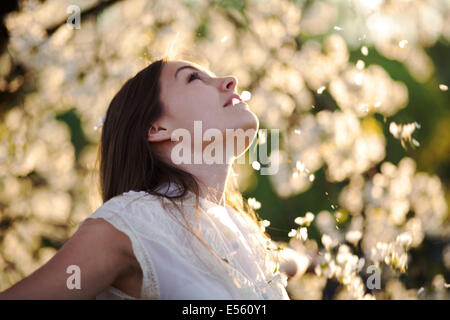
x=190, y=67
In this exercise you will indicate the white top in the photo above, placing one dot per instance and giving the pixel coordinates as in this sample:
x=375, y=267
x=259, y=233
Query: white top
x=176, y=265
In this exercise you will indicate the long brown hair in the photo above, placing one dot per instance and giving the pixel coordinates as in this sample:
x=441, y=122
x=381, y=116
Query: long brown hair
x=127, y=160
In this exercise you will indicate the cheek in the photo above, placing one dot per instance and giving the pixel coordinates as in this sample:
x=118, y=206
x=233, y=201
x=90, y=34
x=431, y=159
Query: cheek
x=202, y=105
x=196, y=106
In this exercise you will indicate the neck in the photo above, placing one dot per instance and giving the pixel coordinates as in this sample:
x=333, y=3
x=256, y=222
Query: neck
x=212, y=180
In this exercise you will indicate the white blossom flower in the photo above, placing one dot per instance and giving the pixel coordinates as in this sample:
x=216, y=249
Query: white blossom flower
x=353, y=236
x=254, y=203
x=303, y=233
x=328, y=242
x=306, y=220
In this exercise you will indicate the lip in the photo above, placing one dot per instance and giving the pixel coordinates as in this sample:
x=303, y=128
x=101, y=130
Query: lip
x=230, y=100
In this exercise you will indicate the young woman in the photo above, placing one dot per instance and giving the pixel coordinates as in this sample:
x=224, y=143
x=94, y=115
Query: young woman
x=167, y=229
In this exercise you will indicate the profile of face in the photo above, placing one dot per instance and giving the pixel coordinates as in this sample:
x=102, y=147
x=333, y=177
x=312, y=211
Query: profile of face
x=191, y=93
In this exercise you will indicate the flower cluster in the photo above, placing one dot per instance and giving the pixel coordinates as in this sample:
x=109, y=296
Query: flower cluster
x=395, y=253
x=343, y=266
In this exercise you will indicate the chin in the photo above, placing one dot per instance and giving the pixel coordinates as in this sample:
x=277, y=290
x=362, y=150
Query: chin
x=248, y=120
x=248, y=125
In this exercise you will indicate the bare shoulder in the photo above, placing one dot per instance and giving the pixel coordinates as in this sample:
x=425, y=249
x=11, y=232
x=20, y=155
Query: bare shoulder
x=130, y=278
x=113, y=239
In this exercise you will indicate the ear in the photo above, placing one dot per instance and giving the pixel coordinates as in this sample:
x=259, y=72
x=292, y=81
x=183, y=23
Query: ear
x=158, y=134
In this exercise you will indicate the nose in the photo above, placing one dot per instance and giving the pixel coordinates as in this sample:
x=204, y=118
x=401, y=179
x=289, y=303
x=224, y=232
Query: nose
x=229, y=83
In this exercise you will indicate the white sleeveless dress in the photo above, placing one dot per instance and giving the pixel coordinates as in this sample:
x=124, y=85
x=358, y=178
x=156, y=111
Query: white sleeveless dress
x=176, y=266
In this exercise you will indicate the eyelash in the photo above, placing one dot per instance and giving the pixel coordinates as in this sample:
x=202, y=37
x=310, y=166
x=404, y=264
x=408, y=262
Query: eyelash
x=193, y=76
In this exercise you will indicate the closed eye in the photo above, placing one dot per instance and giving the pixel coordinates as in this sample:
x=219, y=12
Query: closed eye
x=193, y=76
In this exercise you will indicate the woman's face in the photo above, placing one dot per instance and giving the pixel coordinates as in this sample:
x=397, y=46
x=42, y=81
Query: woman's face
x=190, y=93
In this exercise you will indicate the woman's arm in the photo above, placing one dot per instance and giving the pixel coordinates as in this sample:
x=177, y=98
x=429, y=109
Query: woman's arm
x=102, y=254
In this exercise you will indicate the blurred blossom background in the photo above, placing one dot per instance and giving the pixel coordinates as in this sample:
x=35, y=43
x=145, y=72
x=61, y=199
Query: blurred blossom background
x=357, y=88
